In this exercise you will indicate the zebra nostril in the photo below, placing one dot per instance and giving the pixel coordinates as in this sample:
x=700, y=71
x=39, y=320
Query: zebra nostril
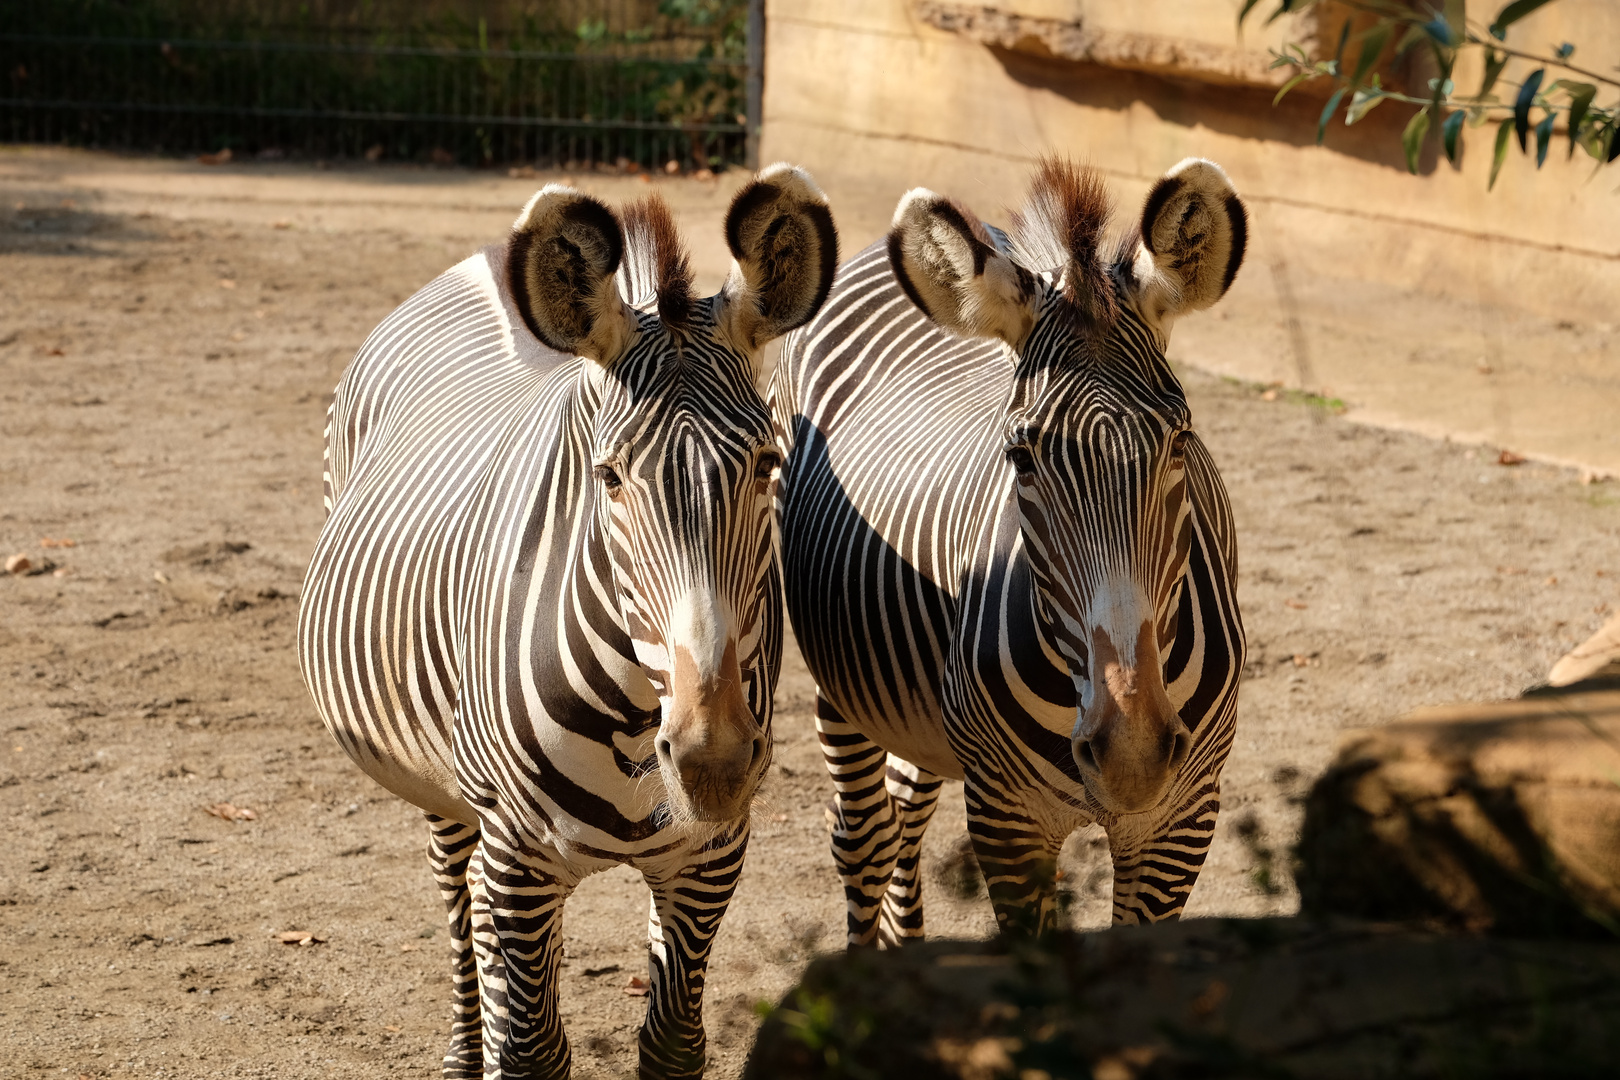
x=759, y=750
x=1087, y=757
x=1180, y=748
x=664, y=750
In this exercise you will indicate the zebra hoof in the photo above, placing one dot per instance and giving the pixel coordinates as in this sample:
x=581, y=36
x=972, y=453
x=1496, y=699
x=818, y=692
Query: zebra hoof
x=662, y=1061
x=464, y=1061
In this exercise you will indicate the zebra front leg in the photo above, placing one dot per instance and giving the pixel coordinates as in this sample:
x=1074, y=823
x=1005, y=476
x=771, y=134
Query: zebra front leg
x=1017, y=857
x=517, y=901
x=862, y=819
x=1155, y=871
x=915, y=794
x=684, y=915
x=450, y=848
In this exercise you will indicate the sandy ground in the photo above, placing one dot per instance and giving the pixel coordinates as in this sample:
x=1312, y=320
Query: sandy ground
x=167, y=340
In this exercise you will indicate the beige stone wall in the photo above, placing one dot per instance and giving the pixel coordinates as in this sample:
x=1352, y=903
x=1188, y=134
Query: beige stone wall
x=876, y=96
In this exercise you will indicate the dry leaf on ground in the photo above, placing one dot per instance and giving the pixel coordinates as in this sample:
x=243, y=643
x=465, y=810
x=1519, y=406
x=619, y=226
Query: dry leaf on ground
x=299, y=937
x=229, y=812
x=636, y=987
x=1210, y=1000
x=1508, y=457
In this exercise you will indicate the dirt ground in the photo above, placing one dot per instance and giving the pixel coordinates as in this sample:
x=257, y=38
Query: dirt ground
x=164, y=365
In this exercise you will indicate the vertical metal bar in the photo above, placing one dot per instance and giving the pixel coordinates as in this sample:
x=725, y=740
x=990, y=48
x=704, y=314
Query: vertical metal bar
x=756, y=81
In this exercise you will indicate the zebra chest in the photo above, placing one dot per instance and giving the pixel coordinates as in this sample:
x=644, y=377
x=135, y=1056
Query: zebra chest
x=556, y=720
x=1008, y=689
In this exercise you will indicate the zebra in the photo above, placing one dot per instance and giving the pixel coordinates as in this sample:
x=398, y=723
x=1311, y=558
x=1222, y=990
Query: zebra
x=1008, y=557
x=545, y=607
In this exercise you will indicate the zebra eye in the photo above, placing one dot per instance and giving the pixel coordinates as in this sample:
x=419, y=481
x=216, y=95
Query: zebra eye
x=1021, y=459
x=609, y=478
x=767, y=462
x=1178, y=443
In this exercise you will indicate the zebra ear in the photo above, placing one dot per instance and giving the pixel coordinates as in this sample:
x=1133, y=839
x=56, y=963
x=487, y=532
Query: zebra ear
x=561, y=258
x=1194, y=232
x=945, y=261
x=785, y=248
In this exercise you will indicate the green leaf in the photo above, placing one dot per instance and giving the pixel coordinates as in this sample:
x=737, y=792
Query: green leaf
x=1363, y=102
x=1565, y=51
x=1439, y=32
x=1614, y=144
x=1500, y=153
x=1344, y=39
x=1493, y=68
x=1413, y=36
x=1449, y=132
x=1580, y=100
x=1287, y=7
x=1372, y=46
x=1289, y=85
x=1456, y=16
x=1412, y=138
x=1592, y=140
x=1521, y=105
x=1248, y=6
x=1327, y=113
x=1512, y=14
x=1543, y=137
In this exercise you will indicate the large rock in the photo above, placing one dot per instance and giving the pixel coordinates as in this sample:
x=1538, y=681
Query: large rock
x=1501, y=817
x=1204, y=998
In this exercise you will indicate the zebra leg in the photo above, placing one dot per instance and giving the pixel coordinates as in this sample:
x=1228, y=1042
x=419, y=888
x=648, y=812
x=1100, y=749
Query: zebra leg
x=450, y=848
x=862, y=819
x=915, y=793
x=1017, y=856
x=684, y=915
x=517, y=900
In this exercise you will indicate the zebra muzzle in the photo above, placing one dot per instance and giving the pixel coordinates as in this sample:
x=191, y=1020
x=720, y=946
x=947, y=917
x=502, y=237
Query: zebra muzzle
x=1130, y=743
x=711, y=749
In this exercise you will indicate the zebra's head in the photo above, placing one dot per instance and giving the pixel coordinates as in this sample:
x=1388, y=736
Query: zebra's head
x=682, y=462
x=1097, y=433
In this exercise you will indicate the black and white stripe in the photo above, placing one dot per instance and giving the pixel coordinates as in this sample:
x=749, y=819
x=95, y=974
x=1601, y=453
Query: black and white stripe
x=1007, y=557
x=545, y=607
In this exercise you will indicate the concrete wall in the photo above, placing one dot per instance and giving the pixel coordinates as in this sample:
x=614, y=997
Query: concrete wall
x=1350, y=252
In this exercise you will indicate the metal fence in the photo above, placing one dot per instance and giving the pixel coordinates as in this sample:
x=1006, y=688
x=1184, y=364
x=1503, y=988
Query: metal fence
x=612, y=100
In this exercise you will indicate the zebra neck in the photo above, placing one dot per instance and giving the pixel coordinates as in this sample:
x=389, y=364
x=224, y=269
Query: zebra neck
x=589, y=601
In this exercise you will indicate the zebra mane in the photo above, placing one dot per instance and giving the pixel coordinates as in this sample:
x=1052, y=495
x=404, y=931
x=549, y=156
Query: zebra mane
x=656, y=271
x=1061, y=229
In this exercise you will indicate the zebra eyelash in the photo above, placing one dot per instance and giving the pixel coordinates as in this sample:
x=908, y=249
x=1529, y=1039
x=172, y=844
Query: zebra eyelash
x=607, y=476
x=769, y=460
x=1021, y=458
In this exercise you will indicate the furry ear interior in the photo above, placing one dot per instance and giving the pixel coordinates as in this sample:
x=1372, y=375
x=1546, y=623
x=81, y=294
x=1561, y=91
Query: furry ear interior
x=1193, y=235
x=785, y=248
x=561, y=258
x=946, y=262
